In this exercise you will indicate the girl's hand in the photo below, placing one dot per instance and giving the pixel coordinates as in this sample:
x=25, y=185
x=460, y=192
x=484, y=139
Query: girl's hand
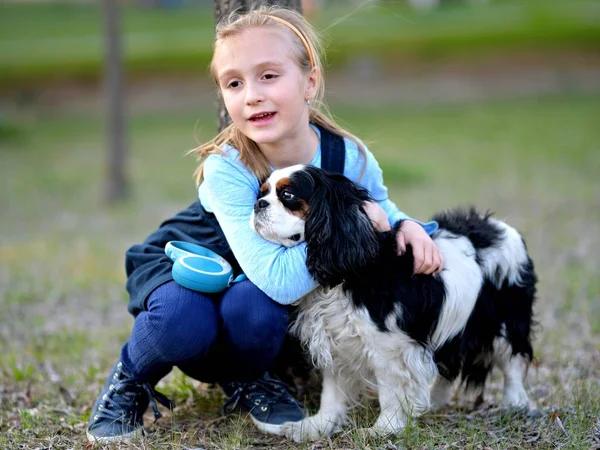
x=427, y=255
x=378, y=217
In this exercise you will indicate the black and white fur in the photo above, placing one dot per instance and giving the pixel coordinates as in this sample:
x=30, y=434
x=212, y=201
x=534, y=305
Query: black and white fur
x=372, y=323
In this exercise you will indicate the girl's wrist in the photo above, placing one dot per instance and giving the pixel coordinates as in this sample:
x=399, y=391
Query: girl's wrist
x=409, y=226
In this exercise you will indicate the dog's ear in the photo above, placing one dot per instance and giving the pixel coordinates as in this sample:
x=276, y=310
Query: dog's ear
x=339, y=235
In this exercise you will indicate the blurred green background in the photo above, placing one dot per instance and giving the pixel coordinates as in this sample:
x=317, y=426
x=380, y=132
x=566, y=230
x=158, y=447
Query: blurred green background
x=492, y=103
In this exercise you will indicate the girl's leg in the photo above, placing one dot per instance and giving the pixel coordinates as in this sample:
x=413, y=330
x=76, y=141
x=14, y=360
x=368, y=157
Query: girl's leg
x=252, y=333
x=252, y=328
x=179, y=325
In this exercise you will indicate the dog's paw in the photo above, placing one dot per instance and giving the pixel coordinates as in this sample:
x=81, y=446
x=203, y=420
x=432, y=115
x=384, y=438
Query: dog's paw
x=299, y=431
x=309, y=429
x=516, y=398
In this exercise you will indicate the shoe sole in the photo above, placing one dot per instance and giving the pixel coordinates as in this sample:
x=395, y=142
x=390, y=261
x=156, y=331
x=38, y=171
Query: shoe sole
x=123, y=438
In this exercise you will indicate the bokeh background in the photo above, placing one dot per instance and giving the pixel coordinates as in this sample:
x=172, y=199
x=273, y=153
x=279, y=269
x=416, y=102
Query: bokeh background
x=488, y=103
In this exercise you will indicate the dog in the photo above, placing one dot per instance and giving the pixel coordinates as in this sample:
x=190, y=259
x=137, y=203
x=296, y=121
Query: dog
x=373, y=324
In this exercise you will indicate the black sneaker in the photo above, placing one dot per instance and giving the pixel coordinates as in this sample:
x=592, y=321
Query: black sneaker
x=118, y=413
x=268, y=401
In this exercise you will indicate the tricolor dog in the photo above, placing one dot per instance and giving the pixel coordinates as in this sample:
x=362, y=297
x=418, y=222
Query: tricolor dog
x=373, y=324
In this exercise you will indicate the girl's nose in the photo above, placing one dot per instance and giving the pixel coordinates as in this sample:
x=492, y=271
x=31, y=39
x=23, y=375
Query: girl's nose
x=254, y=94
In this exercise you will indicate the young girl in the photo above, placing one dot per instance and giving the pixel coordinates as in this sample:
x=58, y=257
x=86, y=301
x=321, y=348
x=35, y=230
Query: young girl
x=267, y=69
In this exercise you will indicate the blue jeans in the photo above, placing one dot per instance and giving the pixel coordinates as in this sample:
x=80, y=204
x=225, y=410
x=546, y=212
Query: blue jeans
x=231, y=336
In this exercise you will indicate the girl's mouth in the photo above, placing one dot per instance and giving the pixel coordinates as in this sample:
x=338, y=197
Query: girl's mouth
x=262, y=118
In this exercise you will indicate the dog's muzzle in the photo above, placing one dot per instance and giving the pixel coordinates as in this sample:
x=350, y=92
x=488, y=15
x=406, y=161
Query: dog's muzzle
x=260, y=205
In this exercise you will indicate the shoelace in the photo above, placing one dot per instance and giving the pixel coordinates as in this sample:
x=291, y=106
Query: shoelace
x=112, y=409
x=162, y=399
x=256, y=390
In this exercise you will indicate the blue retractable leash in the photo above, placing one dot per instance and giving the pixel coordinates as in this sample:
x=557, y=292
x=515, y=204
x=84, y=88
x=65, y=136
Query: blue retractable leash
x=200, y=269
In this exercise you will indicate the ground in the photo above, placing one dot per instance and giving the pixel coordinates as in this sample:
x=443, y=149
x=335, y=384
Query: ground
x=528, y=149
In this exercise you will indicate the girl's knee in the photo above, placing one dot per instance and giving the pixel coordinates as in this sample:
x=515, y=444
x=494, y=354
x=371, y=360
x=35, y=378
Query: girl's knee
x=181, y=323
x=250, y=318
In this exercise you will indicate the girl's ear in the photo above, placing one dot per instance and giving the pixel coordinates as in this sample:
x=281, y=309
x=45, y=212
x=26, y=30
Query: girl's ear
x=312, y=83
x=339, y=235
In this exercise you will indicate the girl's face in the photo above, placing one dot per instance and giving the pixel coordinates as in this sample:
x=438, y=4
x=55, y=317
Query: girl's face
x=263, y=87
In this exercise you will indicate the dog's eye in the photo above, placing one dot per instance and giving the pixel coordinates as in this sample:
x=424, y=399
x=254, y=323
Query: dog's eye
x=287, y=196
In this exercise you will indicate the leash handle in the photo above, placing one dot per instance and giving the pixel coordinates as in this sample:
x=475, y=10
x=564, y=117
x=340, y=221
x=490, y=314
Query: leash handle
x=200, y=269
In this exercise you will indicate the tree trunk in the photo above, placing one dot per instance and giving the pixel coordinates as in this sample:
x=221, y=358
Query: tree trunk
x=225, y=7
x=116, y=183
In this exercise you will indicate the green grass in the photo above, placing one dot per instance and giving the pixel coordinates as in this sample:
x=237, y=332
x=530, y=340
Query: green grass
x=534, y=161
x=41, y=42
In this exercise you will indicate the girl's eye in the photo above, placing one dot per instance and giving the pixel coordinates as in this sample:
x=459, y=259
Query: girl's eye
x=287, y=196
x=270, y=76
x=233, y=84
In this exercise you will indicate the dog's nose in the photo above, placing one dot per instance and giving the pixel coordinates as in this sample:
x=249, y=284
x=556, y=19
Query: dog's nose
x=260, y=204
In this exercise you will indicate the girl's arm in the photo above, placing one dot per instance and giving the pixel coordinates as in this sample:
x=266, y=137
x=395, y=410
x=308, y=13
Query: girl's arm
x=278, y=271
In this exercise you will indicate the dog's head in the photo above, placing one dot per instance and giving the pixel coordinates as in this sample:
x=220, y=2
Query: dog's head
x=304, y=203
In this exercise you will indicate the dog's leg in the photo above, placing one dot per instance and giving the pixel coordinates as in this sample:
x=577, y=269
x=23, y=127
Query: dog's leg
x=441, y=392
x=403, y=390
x=331, y=415
x=514, y=369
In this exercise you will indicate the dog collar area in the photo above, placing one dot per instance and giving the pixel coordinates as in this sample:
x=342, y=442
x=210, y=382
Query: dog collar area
x=198, y=268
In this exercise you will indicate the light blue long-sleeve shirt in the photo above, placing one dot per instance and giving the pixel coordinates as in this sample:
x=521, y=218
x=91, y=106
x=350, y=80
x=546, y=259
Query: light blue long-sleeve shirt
x=229, y=190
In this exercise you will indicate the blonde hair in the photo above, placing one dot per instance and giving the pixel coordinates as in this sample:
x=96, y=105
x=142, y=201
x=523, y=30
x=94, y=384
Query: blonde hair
x=306, y=51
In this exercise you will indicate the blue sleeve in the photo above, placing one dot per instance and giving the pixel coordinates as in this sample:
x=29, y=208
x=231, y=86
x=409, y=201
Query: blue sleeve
x=278, y=271
x=372, y=180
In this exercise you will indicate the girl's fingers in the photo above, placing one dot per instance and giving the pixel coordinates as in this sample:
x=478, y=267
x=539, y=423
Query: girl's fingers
x=436, y=261
x=401, y=242
x=427, y=257
x=429, y=266
x=441, y=262
x=419, y=257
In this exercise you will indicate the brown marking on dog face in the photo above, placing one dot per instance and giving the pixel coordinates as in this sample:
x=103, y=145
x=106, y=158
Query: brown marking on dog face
x=283, y=183
x=264, y=189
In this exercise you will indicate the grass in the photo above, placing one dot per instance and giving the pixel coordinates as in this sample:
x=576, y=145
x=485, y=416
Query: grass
x=66, y=40
x=534, y=161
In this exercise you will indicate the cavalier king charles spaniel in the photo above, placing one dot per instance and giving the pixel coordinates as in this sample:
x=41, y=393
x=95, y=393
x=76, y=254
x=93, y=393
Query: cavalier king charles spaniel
x=373, y=324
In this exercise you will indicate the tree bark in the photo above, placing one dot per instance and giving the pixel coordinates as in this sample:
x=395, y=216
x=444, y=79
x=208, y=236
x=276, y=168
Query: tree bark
x=225, y=7
x=116, y=182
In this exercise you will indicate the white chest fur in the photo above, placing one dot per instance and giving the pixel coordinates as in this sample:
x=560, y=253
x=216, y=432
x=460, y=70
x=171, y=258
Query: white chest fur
x=338, y=336
x=343, y=339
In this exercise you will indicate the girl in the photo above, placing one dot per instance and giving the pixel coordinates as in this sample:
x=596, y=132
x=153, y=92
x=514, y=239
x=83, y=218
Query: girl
x=267, y=68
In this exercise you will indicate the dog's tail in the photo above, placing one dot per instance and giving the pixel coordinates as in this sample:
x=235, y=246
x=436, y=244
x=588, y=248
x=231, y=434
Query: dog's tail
x=501, y=251
x=504, y=308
